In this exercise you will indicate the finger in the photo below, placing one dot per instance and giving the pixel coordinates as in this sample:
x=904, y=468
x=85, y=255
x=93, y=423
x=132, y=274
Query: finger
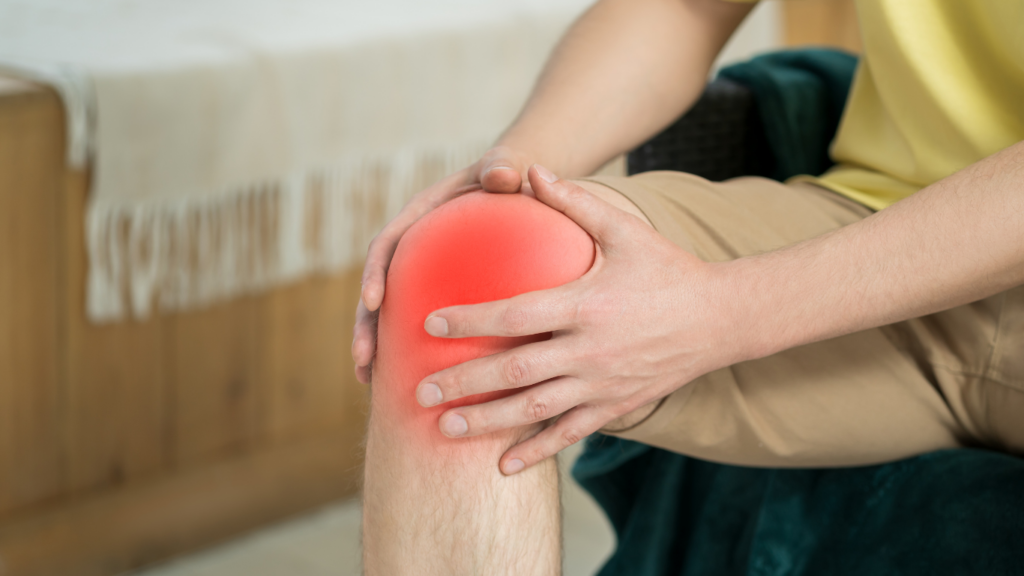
x=573, y=426
x=515, y=368
x=378, y=258
x=536, y=404
x=382, y=247
x=364, y=335
x=501, y=179
x=382, y=250
x=501, y=170
x=363, y=374
x=600, y=219
x=523, y=315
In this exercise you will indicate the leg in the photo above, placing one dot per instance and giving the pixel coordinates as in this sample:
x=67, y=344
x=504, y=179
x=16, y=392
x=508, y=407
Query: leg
x=864, y=398
x=432, y=504
x=454, y=513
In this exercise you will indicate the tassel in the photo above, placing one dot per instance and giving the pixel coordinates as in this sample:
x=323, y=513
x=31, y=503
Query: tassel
x=186, y=254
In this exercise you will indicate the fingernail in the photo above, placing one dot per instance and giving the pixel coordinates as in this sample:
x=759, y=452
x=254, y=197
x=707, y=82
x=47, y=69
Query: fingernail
x=429, y=395
x=455, y=425
x=498, y=168
x=545, y=173
x=513, y=466
x=436, y=326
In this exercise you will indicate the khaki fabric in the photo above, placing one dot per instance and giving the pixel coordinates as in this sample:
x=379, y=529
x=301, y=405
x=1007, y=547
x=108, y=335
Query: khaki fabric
x=950, y=379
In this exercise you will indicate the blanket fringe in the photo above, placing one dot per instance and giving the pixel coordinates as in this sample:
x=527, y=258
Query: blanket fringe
x=192, y=253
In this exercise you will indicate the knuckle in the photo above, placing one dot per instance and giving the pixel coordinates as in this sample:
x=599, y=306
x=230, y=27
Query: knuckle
x=589, y=308
x=453, y=387
x=622, y=410
x=514, y=320
x=537, y=409
x=577, y=193
x=516, y=371
x=570, y=436
x=596, y=309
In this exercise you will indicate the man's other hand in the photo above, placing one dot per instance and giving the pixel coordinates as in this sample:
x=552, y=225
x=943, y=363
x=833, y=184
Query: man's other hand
x=500, y=170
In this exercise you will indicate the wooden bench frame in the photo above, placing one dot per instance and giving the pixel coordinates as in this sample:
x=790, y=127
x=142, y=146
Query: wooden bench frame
x=131, y=442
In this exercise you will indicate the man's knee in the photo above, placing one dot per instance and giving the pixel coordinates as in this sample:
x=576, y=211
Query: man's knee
x=477, y=248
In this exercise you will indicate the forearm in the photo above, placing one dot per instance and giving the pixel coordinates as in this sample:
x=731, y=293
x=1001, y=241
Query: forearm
x=624, y=71
x=957, y=241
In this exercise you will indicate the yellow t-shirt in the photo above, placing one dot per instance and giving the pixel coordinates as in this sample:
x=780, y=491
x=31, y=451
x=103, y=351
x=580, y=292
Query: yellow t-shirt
x=940, y=86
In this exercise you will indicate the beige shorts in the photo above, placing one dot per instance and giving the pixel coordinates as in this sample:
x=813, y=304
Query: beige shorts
x=955, y=378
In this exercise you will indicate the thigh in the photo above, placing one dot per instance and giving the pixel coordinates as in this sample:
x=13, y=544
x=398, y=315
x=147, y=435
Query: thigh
x=975, y=356
x=859, y=399
x=848, y=401
x=1003, y=407
x=720, y=221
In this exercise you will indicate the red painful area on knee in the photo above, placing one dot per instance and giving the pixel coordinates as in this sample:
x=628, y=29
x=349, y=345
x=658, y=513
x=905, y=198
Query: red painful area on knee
x=477, y=248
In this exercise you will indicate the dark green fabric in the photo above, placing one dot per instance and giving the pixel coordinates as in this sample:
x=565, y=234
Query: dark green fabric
x=948, y=512
x=799, y=95
x=951, y=512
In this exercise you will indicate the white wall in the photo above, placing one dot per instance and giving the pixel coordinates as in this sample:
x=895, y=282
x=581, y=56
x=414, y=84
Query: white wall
x=760, y=32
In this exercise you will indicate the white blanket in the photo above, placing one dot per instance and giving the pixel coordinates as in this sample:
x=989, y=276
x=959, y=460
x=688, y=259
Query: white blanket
x=238, y=144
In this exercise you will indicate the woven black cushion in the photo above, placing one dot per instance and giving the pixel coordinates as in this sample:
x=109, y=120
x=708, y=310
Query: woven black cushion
x=720, y=137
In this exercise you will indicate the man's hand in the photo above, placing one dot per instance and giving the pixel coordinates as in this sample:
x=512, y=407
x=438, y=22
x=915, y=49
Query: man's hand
x=500, y=171
x=576, y=120
x=640, y=324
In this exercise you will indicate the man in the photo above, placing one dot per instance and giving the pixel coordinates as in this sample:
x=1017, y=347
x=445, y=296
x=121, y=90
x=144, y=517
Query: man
x=868, y=315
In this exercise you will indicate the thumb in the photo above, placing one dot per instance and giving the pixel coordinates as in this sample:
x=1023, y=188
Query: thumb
x=599, y=218
x=501, y=171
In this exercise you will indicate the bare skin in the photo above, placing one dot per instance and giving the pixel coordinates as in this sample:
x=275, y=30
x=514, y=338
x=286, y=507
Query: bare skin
x=956, y=241
x=935, y=250
x=461, y=515
x=427, y=515
x=422, y=505
x=577, y=107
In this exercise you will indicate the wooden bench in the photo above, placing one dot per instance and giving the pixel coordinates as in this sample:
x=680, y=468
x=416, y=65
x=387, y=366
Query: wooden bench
x=127, y=443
